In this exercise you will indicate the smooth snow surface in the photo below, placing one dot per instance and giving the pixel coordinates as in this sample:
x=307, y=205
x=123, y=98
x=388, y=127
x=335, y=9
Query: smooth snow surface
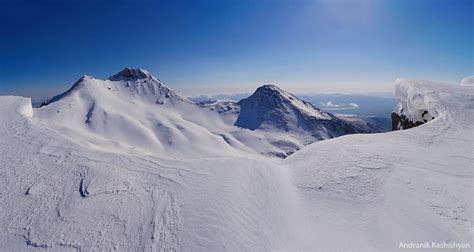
x=125, y=164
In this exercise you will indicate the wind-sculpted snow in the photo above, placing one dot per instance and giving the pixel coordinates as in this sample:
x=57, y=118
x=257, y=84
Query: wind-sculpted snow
x=70, y=181
x=418, y=104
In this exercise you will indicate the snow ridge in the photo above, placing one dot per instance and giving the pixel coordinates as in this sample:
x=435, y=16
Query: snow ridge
x=130, y=83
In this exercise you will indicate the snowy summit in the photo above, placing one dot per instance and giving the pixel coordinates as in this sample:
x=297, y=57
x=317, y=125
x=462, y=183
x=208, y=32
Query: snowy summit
x=132, y=74
x=271, y=108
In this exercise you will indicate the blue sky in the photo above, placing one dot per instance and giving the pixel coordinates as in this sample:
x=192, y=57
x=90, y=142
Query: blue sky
x=227, y=46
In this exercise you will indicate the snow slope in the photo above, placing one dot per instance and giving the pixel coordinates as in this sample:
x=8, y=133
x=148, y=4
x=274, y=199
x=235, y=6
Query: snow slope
x=66, y=188
x=383, y=189
x=62, y=195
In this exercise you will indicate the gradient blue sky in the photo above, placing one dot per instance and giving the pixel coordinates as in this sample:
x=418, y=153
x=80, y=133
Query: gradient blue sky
x=199, y=47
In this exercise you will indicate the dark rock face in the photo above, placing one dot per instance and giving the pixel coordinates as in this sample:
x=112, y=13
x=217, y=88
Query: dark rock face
x=401, y=122
x=223, y=107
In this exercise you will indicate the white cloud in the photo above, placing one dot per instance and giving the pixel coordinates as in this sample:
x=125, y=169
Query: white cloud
x=354, y=105
x=330, y=105
x=468, y=81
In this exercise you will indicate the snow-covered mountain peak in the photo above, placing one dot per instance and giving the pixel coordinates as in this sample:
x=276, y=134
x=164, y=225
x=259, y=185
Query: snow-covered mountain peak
x=271, y=108
x=270, y=90
x=140, y=82
x=271, y=96
x=132, y=74
x=272, y=105
x=128, y=85
x=270, y=87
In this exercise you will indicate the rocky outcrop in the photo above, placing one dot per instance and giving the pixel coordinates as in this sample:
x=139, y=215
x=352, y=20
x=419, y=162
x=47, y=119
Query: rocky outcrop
x=132, y=74
x=400, y=122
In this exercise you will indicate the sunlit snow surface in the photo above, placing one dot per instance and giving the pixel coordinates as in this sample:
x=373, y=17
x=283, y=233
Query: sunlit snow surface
x=64, y=187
